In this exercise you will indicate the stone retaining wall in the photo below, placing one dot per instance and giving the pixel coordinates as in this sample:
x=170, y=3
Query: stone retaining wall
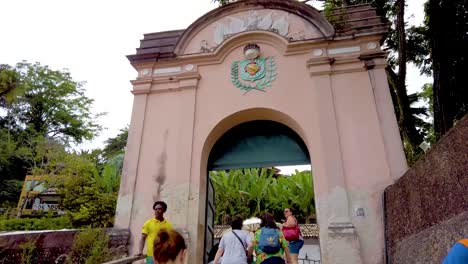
x=51, y=246
x=427, y=208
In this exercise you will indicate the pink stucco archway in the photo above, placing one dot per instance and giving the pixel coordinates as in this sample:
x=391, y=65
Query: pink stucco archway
x=330, y=88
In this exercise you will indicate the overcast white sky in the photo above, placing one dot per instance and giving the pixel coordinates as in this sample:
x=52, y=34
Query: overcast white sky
x=91, y=39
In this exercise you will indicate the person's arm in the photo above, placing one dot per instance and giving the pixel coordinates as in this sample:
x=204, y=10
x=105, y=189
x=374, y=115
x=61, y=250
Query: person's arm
x=218, y=255
x=250, y=251
x=251, y=246
x=142, y=244
x=284, y=245
x=286, y=253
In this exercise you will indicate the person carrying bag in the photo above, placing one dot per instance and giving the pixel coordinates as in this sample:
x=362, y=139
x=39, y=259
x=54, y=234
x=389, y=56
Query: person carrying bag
x=249, y=260
x=269, y=243
x=292, y=233
x=233, y=245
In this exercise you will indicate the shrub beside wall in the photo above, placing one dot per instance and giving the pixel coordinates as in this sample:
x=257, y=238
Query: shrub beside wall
x=45, y=223
x=59, y=246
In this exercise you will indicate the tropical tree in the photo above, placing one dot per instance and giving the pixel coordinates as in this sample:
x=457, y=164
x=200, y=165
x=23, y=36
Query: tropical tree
x=109, y=179
x=447, y=23
x=41, y=111
x=52, y=105
x=115, y=145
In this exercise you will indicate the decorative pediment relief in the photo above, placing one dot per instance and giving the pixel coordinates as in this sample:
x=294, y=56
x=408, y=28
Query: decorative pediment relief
x=290, y=26
x=252, y=21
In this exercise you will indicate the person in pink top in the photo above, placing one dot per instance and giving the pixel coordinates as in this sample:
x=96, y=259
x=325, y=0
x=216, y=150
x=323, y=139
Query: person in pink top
x=292, y=234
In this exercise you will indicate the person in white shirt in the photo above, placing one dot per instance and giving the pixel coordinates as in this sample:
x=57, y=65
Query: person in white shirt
x=234, y=245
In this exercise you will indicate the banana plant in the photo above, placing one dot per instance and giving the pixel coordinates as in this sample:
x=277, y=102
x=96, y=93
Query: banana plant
x=252, y=192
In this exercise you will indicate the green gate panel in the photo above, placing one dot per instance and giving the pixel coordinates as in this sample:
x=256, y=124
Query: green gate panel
x=258, y=144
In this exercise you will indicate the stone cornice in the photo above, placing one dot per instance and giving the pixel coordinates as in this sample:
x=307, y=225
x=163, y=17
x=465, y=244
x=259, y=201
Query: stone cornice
x=284, y=48
x=357, y=62
x=326, y=57
x=169, y=83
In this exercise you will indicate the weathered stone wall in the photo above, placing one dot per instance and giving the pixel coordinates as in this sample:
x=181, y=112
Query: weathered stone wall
x=427, y=208
x=50, y=246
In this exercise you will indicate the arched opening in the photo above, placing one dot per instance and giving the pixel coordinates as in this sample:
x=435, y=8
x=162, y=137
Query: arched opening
x=261, y=144
x=258, y=144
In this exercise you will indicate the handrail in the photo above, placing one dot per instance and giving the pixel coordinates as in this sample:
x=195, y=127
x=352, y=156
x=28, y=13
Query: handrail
x=126, y=260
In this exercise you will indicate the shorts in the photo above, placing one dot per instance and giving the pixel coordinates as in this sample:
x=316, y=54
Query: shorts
x=149, y=260
x=295, y=246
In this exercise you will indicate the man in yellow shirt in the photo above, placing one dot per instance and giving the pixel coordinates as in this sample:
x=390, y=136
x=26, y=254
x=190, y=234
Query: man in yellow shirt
x=151, y=229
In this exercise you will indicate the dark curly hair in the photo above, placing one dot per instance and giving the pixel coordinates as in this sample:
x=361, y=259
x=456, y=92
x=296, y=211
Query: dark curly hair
x=236, y=223
x=268, y=221
x=163, y=204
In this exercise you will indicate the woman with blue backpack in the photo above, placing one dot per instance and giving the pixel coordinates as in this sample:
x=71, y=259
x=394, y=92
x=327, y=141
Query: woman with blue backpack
x=269, y=243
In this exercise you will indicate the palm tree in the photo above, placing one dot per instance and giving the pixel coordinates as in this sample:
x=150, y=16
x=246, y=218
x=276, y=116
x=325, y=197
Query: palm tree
x=109, y=180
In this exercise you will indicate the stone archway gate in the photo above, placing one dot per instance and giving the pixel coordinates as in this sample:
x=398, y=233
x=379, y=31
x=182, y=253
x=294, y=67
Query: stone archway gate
x=281, y=61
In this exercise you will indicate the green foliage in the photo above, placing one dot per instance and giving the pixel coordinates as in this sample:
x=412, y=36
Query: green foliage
x=418, y=48
x=44, y=223
x=49, y=112
x=44, y=156
x=12, y=168
x=42, y=111
x=333, y=14
x=27, y=253
x=52, y=105
x=89, y=198
x=426, y=96
x=85, y=195
x=109, y=179
x=9, y=85
x=223, y=2
x=252, y=192
x=9, y=193
x=116, y=145
x=90, y=246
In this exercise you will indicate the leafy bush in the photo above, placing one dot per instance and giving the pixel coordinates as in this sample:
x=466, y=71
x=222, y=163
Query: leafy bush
x=90, y=247
x=9, y=190
x=45, y=223
x=85, y=194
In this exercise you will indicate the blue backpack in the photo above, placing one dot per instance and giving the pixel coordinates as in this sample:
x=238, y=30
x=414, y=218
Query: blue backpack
x=269, y=240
